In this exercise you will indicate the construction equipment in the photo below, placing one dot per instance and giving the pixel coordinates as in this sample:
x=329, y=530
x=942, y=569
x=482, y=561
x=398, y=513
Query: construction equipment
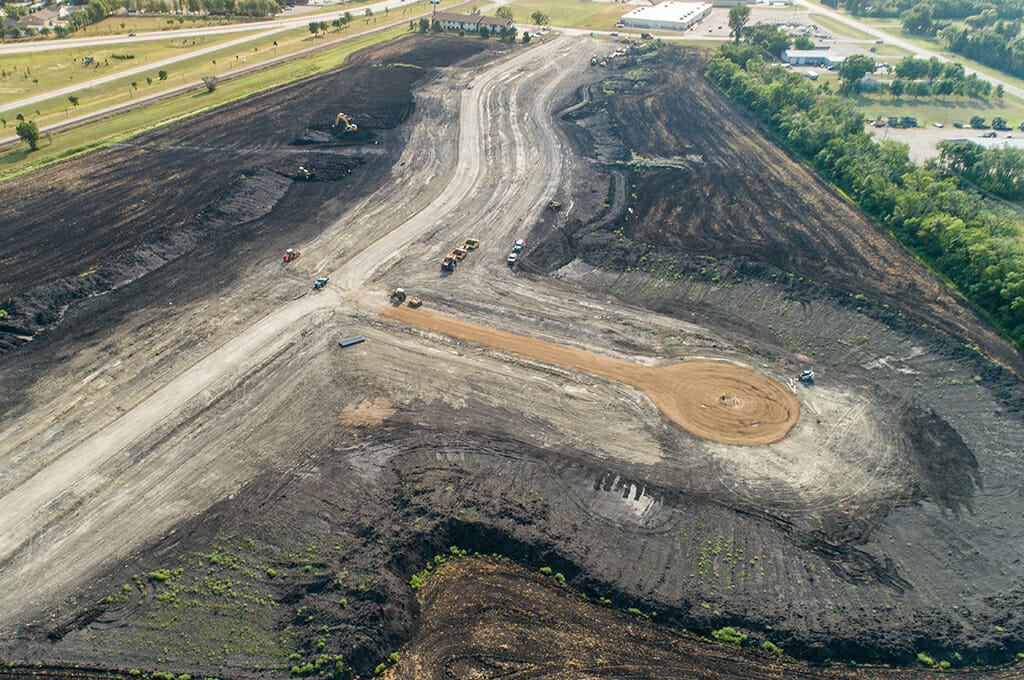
x=471, y=244
x=397, y=296
x=349, y=125
x=555, y=206
x=518, y=245
x=807, y=377
x=290, y=255
x=303, y=173
x=320, y=283
x=449, y=264
x=459, y=253
x=512, y=259
x=413, y=301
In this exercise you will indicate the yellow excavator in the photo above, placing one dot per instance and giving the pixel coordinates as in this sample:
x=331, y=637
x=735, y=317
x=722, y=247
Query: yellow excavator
x=349, y=125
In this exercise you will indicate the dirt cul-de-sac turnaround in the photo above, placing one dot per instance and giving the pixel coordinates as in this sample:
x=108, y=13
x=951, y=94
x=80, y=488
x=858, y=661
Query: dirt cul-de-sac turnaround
x=716, y=400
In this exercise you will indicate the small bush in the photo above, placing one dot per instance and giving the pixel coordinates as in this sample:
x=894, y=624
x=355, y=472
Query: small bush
x=925, y=659
x=560, y=579
x=393, y=657
x=771, y=648
x=943, y=664
x=546, y=571
x=272, y=573
x=135, y=672
x=730, y=636
x=634, y=611
x=379, y=669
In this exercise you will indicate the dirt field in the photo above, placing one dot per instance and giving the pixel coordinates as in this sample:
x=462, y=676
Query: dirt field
x=195, y=478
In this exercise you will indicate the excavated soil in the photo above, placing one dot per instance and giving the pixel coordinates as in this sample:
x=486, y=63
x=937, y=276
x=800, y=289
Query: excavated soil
x=264, y=497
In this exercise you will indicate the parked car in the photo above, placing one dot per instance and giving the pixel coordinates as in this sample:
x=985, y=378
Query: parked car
x=518, y=246
x=512, y=258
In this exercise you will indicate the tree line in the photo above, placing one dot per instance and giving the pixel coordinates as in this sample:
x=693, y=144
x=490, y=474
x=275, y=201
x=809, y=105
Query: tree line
x=999, y=170
x=971, y=241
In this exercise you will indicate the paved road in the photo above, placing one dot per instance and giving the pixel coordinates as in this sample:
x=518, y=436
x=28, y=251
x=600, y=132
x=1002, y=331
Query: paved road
x=915, y=50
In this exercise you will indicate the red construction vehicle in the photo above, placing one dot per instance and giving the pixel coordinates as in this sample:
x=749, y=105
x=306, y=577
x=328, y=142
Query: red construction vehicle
x=449, y=264
x=290, y=255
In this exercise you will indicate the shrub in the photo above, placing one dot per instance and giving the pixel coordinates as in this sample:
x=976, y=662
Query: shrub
x=925, y=659
x=379, y=669
x=393, y=657
x=634, y=611
x=546, y=571
x=210, y=82
x=730, y=636
x=560, y=579
x=771, y=648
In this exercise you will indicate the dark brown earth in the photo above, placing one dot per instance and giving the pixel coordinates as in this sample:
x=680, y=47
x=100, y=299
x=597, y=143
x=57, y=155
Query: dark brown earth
x=724, y=190
x=548, y=632
x=97, y=221
x=917, y=550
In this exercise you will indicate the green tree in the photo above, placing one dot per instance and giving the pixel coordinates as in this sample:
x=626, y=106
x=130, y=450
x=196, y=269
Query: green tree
x=29, y=131
x=424, y=25
x=210, y=82
x=978, y=123
x=539, y=18
x=526, y=37
x=314, y=27
x=504, y=12
x=896, y=87
x=73, y=99
x=918, y=20
x=161, y=75
x=768, y=37
x=853, y=68
x=738, y=18
x=802, y=42
x=484, y=33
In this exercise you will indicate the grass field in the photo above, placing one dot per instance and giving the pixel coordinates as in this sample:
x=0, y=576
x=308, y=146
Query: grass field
x=25, y=75
x=927, y=110
x=597, y=16
x=17, y=159
x=29, y=74
x=838, y=27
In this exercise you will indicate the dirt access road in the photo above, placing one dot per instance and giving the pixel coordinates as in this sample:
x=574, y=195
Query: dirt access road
x=290, y=488
x=53, y=494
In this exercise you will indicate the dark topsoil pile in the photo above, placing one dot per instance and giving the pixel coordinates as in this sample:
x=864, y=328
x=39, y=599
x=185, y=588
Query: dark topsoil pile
x=91, y=224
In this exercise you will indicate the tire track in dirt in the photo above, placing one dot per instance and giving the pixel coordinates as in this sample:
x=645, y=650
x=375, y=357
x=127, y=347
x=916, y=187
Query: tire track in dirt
x=50, y=501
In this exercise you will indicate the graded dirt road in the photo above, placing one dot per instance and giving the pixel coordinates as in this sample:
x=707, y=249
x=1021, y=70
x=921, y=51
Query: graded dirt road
x=715, y=400
x=195, y=477
x=41, y=497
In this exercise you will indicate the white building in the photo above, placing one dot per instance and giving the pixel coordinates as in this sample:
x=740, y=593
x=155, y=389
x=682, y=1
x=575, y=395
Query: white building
x=825, y=58
x=471, y=22
x=667, y=16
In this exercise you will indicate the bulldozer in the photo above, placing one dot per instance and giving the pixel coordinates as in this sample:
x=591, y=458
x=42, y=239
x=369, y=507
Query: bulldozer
x=349, y=125
x=303, y=173
x=290, y=255
x=397, y=296
x=554, y=206
x=448, y=265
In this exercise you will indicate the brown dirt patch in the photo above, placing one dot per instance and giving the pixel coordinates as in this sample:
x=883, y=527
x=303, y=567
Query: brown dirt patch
x=367, y=413
x=715, y=400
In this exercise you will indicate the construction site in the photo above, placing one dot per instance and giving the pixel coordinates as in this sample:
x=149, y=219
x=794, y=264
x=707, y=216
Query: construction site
x=470, y=360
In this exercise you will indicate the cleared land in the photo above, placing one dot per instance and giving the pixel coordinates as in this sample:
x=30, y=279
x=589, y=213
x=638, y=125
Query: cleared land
x=262, y=496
